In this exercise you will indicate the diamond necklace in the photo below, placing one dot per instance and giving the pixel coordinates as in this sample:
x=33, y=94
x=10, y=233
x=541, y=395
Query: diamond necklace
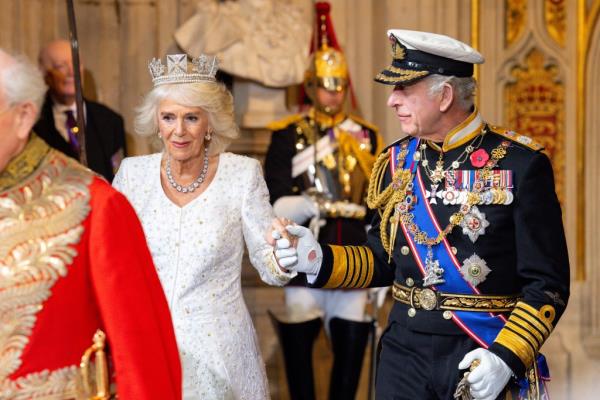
x=192, y=186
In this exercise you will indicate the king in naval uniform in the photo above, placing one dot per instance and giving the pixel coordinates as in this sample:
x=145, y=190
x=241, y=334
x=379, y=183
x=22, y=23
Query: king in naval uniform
x=468, y=230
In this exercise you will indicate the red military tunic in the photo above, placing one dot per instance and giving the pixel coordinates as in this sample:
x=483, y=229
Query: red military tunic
x=73, y=259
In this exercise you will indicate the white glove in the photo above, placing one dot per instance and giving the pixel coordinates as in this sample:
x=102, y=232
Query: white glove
x=297, y=208
x=285, y=254
x=489, y=378
x=309, y=253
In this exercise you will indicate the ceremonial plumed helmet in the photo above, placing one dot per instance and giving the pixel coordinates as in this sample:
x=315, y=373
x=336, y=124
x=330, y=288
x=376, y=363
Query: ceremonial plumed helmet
x=328, y=68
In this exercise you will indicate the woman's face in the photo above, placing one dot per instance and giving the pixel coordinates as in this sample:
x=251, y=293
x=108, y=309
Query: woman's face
x=182, y=129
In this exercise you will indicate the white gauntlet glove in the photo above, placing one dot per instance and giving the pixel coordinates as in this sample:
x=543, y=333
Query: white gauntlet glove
x=297, y=208
x=309, y=250
x=489, y=378
x=305, y=257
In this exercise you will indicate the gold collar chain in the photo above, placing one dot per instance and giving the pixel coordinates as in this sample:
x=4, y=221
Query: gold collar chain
x=395, y=199
x=437, y=175
x=473, y=198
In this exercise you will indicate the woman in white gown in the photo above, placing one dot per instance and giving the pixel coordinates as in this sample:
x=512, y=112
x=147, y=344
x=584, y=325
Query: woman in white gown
x=198, y=206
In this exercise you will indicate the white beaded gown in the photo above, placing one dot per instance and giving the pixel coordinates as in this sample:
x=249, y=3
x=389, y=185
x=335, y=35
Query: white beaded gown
x=197, y=250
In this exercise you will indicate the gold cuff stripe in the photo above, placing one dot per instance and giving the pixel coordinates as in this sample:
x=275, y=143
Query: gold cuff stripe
x=366, y=258
x=360, y=267
x=533, y=321
x=352, y=267
x=536, y=315
x=339, y=267
x=349, y=268
x=532, y=329
x=526, y=330
x=517, y=344
x=536, y=341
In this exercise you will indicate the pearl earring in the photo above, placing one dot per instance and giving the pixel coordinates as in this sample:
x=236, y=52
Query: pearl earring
x=159, y=135
x=208, y=135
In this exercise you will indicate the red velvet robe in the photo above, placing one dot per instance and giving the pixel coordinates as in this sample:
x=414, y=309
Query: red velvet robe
x=73, y=259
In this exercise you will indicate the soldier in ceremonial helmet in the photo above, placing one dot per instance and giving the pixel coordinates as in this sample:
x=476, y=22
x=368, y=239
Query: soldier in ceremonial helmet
x=325, y=190
x=468, y=230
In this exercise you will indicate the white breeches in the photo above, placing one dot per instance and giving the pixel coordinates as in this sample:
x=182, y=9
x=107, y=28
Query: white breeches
x=303, y=304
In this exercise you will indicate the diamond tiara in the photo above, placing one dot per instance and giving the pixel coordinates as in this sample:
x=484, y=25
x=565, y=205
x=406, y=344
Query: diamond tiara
x=204, y=68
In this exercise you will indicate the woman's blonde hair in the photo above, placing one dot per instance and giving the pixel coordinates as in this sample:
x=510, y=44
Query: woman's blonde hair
x=212, y=97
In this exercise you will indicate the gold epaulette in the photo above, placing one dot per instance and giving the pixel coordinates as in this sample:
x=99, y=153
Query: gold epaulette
x=517, y=138
x=284, y=122
x=364, y=123
x=526, y=331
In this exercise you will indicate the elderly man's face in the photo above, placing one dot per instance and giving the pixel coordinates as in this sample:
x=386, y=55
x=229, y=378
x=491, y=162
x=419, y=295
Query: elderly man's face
x=418, y=112
x=8, y=136
x=57, y=63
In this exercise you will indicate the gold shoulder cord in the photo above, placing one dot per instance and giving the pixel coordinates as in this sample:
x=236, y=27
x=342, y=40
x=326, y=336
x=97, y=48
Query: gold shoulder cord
x=388, y=198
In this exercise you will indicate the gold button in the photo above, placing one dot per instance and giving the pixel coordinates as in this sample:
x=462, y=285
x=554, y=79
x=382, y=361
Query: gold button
x=404, y=250
x=447, y=314
x=454, y=250
x=410, y=282
x=412, y=312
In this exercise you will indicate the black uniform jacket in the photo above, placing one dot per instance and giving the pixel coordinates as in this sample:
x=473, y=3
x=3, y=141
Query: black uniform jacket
x=524, y=246
x=104, y=135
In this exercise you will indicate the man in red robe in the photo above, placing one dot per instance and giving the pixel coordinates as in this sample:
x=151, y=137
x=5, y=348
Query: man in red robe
x=73, y=260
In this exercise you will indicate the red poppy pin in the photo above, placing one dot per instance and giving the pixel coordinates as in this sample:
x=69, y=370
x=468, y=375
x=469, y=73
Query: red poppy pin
x=479, y=158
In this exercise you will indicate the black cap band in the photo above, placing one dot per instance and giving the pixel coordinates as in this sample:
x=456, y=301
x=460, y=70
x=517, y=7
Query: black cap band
x=417, y=60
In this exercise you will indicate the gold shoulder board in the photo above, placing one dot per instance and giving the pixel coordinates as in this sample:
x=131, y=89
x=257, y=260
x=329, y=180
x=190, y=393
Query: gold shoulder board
x=285, y=122
x=517, y=138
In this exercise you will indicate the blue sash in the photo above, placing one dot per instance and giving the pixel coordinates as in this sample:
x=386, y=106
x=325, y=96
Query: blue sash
x=480, y=326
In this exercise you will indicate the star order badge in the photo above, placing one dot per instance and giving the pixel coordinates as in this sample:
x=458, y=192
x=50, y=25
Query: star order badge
x=475, y=270
x=474, y=224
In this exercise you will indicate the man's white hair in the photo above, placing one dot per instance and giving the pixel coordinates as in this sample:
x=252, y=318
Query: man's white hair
x=22, y=82
x=464, y=88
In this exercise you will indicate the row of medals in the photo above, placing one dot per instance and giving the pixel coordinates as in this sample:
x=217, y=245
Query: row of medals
x=472, y=221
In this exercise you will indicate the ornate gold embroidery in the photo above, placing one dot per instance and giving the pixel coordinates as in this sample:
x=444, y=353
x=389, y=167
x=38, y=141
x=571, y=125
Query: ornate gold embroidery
x=417, y=297
x=59, y=384
x=40, y=222
x=25, y=163
x=405, y=75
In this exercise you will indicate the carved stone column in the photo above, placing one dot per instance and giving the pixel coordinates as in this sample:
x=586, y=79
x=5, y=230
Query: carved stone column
x=591, y=305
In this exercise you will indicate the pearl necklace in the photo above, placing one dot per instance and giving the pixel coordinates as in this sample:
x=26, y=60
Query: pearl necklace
x=192, y=186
